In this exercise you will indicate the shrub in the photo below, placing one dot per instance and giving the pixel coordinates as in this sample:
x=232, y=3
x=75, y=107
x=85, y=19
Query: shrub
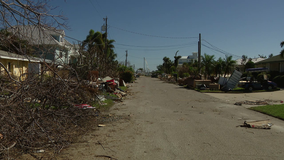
x=185, y=74
x=260, y=77
x=279, y=80
x=127, y=76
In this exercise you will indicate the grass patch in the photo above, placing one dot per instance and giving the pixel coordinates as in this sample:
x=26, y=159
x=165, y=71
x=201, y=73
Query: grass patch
x=235, y=90
x=103, y=108
x=272, y=110
x=123, y=88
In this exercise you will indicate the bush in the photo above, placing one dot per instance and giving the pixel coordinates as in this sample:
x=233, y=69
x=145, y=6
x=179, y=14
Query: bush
x=275, y=74
x=279, y=80
x=185, y=74
x=260, y=77
x=127, y=76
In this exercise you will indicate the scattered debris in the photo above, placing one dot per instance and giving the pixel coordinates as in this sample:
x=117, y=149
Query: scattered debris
x=40, y=151
x=105, y=156
x=101, y=98
x=259, y=124
x=238, y=103
x=101, y=125
x=84, y=106
x=257, y=102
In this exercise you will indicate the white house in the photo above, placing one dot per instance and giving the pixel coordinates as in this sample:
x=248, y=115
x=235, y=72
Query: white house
x=241, y=65
x=50, y=43
x=188, y=59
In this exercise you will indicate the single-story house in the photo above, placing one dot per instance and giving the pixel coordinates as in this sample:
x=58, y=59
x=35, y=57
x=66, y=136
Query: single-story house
x=275, y=63
x=20, y=65
x=240, y=64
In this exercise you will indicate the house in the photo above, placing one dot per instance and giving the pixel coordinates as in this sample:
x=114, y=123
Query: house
x=19, y=66
x=241, y=65
x=275, y=63
x=188, y=59
x=48, y=43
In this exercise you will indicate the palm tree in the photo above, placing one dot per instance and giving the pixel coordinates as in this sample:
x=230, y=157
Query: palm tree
x=244, y=59
x=218, y=66
x=167, y=64
x=207, y=63
x=228, y=64
x=282, y=52
x=93, y=46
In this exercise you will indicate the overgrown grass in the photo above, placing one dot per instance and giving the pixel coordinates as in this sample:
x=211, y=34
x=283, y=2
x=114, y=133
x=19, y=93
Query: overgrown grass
x=272, y=110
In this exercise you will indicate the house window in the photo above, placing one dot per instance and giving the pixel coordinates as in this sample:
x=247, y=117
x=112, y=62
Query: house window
x=9, y=66
x=60, y=54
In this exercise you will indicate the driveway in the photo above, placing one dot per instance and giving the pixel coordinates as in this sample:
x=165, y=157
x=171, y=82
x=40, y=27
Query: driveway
x=275, y=97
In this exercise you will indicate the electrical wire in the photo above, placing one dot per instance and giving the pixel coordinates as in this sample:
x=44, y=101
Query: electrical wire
x=185, y=44
x=225, y=53
x=95, y=8
x=155, y=49
x=143, y=57
x=142, y=34
x=218, y=49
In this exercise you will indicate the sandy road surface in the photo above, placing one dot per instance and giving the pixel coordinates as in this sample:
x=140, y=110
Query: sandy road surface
x=168, y=122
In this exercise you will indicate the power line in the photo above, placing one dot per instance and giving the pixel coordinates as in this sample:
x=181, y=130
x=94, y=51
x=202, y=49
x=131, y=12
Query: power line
x=142, y=34
x=225, y=53
x=143, y=58
x=212, y=49
x=95, y=8
x=185, y=44
x=218, y=49
x=154, y=49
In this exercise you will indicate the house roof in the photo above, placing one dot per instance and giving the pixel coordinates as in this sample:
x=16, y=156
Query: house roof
x=277, y=58
x=183, y=57
x=13, y=56
x=37, y=35
x=254, y=60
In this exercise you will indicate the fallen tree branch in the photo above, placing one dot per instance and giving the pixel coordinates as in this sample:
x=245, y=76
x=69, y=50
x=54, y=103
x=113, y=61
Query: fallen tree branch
x=106, y=157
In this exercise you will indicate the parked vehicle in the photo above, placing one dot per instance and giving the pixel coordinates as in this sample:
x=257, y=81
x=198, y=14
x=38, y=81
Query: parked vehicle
x=254, y=85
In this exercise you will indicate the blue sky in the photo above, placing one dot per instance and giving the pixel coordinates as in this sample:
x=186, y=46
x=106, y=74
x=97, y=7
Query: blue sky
x=157, y=28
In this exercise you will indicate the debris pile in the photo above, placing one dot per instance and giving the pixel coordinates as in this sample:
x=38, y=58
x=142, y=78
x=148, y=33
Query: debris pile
x=47, y=113
x=258, y=102
x=259, y=124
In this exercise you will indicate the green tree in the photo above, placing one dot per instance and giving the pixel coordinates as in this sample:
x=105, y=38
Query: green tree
x=92, y=48
x=282, y=51
x=228, y=64
x=160, y=68
x=176, y=59
x=98, y=54
x=249, y=64
x=244, y=59
x=271, y=55
x=207, y=63
x=261, y=56
x=218, y=66
x=167, y=65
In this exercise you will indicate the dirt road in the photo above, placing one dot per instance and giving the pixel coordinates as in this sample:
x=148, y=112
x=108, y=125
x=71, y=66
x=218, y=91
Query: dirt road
x=167, y=122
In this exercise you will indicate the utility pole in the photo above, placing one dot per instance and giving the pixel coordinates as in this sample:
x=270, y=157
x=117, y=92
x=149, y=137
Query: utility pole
x=126, y=59
x=106, y=46
x=144, y=65
x=199, y=53
x=106, y=35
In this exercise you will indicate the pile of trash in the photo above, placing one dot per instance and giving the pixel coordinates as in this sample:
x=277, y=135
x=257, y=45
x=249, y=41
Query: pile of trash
x=257, y=124
x=249, y=102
